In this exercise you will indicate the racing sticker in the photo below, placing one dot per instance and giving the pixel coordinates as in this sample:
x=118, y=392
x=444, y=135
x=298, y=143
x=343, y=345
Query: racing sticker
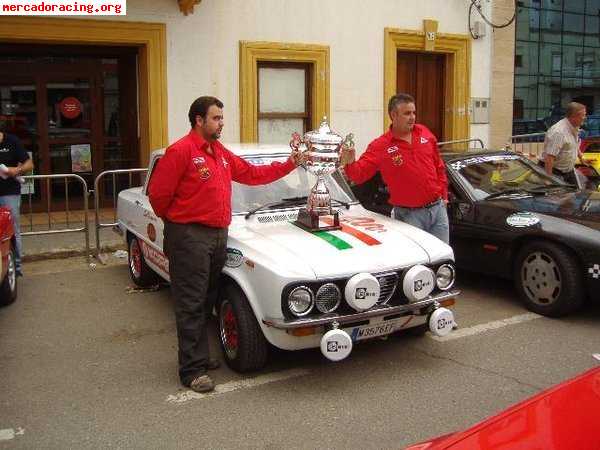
x=348, y=225
x=457, y=165
x=151, y=231
x=594, y=271
x=235, y=258
x=522, y=220
x=155, y=256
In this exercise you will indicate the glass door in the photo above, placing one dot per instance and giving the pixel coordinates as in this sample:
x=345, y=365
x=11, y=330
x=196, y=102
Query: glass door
x=72, y=129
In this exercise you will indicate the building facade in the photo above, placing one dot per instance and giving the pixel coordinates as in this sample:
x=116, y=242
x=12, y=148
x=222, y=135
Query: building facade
x=557, y=60
x=88, y=95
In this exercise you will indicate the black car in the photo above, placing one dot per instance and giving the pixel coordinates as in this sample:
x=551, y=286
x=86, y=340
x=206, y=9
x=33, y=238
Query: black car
x=508, y=218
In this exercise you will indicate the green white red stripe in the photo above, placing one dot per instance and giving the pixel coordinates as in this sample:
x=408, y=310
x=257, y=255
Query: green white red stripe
x=340, y=243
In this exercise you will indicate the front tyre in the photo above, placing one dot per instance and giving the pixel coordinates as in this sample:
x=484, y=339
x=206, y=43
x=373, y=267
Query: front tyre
x=242, y=341
x=141, y=274
x=8, y=287
x=548, y=279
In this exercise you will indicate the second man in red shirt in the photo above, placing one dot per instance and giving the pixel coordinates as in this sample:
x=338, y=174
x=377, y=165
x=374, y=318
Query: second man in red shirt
x=408, y=159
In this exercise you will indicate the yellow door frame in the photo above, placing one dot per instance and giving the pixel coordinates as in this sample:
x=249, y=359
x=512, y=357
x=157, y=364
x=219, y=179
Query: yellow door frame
x=457, y=48
x=150, y=38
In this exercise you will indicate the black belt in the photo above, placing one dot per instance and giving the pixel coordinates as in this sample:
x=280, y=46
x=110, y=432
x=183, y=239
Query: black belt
x=428, y=205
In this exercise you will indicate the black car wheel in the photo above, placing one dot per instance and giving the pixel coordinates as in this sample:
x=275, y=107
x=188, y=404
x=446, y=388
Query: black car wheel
x=548, y=279
x=141, y=274
x=8, y=287
x=244, y=346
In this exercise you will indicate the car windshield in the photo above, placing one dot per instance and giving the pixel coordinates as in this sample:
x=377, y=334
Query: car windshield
x=297, y=184
x=493, y=175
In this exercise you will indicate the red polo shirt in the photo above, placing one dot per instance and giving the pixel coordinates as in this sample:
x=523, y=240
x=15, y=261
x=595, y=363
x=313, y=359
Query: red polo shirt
x=189, y=185
x=414, y=173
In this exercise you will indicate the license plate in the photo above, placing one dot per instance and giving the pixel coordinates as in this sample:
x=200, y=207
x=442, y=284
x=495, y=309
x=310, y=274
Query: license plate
x=371, y=331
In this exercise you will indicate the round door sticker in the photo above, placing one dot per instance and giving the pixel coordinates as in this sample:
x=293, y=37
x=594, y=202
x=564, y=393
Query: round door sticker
x=235, y=258
x=70, y=107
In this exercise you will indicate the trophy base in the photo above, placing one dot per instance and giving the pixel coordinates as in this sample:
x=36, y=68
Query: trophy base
x=310, y=221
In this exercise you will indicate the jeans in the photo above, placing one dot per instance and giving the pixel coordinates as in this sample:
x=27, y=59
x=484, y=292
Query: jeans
x=13, y=202
x=433, y=219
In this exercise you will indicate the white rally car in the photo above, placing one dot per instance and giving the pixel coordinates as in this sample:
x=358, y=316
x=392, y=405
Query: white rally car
x=295, y=289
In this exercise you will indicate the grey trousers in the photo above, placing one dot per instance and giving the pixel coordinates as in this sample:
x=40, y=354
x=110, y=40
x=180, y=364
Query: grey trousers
x=196, y=257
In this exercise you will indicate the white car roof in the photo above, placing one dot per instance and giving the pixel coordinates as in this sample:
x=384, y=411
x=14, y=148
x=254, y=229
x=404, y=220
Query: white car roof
x=248, y=149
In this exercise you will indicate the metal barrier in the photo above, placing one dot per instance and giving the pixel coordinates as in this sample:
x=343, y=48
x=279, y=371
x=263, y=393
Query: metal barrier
x=115, y=193
x=530, y=145
x=83, y=229
x=461, y=141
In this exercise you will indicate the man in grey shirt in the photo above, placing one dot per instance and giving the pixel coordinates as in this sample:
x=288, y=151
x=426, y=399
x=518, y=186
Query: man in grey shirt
x=561, y=144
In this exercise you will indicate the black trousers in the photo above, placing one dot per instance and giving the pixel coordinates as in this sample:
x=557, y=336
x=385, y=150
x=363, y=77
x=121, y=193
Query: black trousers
x=568, y=177
x=196, y=257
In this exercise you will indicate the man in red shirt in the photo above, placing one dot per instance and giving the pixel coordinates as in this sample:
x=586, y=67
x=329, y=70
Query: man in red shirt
x=409, y=162
x=190, y=190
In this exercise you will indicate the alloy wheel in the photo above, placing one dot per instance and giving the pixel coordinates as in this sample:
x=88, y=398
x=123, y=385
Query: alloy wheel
x=541, y=278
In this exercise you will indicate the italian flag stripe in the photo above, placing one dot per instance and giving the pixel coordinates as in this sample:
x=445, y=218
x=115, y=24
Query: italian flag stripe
x=338, y=243
x=364, y=237
x=332, y=239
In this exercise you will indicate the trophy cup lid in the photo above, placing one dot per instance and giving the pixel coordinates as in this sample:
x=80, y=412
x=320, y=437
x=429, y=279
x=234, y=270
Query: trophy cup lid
x=323, y=135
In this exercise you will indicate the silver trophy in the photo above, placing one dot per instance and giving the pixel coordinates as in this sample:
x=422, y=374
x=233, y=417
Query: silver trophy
x=321, y=152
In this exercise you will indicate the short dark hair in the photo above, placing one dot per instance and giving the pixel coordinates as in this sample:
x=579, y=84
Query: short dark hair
x=397, y=99
x=200, y=107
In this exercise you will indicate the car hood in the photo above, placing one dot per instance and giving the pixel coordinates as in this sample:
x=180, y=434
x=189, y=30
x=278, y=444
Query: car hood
x=563, y=416
x=582, y=207
x=366, y=243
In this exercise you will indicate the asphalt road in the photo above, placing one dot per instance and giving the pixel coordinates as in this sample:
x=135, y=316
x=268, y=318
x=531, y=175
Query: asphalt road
x=84, y=364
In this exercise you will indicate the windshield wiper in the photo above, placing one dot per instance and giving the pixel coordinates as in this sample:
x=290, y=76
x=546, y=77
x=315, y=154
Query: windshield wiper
x=553, y=187
x=295, y=199
x=282, y=202
x=343, y=203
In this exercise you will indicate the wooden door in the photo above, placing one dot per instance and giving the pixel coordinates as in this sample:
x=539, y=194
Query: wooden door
x=422, y=76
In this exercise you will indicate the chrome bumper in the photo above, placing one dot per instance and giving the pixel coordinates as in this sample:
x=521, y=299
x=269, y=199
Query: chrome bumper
x=377, y=311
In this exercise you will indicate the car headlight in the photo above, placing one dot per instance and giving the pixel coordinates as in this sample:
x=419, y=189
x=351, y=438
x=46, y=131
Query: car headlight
x=445, y=276
x=328, y=298
x=300, y=301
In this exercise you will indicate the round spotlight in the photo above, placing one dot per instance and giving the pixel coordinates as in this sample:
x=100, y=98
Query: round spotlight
x=445, y=277
x=301, y=301
x=328, y=298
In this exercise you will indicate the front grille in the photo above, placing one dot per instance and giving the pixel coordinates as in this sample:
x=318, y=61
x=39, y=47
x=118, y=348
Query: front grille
x=387, y=284
x=263, y=218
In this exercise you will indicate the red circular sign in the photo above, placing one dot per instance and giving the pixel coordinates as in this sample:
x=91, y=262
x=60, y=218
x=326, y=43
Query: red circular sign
x=70, y=107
